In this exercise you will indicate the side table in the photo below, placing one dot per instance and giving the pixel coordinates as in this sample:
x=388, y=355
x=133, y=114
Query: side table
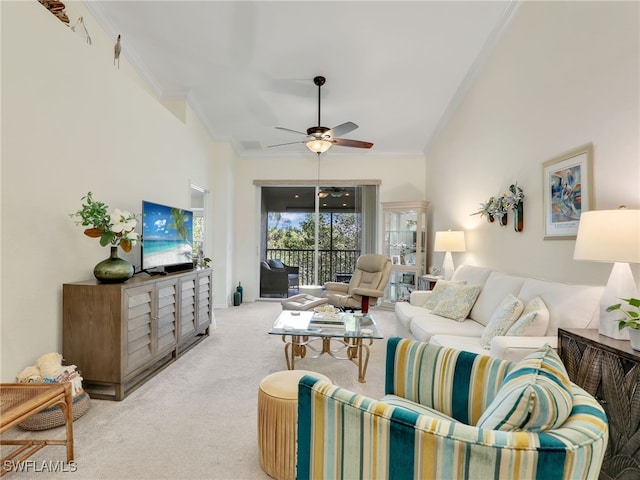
x=19, y=401
x=427, y=282
x=609, y=370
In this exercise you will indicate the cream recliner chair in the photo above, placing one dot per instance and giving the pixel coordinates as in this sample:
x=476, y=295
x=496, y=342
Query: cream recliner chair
x=368, y=281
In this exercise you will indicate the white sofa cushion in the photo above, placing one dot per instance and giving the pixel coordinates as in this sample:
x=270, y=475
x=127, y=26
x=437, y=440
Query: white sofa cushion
x=495, y=289
x=533, y=321
x=535, y=396
x=457, y=302
x=502, y=319
x=572, y=306
x=405, y=311
x=515, y=349
x=424, y=326
x=468, y=344
x=471, y=275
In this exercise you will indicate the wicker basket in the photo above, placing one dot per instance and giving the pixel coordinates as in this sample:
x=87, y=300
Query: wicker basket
x=53, y=417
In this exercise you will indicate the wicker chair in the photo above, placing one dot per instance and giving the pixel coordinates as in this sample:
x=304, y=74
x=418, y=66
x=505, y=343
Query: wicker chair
x=273, y=282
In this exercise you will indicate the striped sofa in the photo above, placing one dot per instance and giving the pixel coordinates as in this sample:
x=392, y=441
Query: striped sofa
x=424, y=427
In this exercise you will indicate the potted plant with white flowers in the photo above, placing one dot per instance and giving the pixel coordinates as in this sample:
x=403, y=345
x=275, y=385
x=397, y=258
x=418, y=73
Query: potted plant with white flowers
x=115, y=229
x=487, y=208
x=631, y=319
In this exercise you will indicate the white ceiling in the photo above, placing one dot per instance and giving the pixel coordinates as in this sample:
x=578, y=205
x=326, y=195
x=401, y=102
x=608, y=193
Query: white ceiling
x=394, y=68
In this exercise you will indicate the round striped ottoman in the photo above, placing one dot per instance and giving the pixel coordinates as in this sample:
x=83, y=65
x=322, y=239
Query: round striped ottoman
x=277, y=422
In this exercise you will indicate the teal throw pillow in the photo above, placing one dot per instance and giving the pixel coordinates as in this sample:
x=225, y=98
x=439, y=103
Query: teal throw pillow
x=535, y=396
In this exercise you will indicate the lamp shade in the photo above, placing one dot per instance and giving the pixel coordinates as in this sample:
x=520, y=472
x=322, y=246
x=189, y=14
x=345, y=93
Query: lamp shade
x=449, y=242
x=318, y=146
x=609, y=236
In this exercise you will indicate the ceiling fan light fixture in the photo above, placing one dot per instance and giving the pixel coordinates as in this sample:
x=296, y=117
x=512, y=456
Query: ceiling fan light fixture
x=318, y=145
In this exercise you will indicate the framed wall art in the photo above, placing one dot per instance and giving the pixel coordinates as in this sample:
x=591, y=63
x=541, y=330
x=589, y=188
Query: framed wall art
x=568, y=191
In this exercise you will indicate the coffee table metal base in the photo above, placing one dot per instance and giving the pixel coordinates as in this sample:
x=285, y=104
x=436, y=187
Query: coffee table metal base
x=355, y=349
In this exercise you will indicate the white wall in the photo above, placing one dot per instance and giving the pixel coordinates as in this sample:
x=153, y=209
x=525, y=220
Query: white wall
x=565, y=74
x=72, y=123
x=402, y=180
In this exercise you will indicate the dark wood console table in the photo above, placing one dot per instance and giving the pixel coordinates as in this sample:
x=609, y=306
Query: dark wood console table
x=609, y=370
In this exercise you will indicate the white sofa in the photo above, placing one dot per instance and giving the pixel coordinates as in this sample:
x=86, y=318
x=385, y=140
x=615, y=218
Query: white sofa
x=568, y=305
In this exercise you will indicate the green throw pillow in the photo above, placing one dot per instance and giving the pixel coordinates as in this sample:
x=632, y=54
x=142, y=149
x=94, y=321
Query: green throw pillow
x=535, y=396
x=440, y=292
x=458, y=302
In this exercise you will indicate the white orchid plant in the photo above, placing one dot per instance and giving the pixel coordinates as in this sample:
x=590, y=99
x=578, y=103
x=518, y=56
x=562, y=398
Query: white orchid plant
x=514, y=197
x=115, y=229
x=498, y=206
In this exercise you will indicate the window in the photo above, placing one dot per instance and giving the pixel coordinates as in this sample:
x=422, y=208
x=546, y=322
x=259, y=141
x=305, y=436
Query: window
x=198, y=196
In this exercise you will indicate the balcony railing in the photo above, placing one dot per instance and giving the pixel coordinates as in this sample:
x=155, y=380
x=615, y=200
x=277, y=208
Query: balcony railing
x=331, y=263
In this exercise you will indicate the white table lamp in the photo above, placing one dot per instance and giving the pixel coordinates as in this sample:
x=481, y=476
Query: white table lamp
x=611, y=236
x=449, y=242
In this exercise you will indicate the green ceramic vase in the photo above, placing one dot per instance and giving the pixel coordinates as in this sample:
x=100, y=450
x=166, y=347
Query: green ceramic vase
x=114, y=269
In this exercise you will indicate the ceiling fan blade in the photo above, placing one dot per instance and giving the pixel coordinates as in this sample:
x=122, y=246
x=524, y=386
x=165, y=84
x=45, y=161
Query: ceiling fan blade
x=288, y=143
x=342, y=129
x=344, y=142
x=292, y=131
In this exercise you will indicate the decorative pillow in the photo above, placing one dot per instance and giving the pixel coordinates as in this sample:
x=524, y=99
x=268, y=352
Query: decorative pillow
x=457, y=304
x=276, y=264
x=506, y=314
x=440, y=292
x=535, y=396
x=533, y=322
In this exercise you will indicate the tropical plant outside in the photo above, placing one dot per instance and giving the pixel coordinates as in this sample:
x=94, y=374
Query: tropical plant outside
x=338, y=243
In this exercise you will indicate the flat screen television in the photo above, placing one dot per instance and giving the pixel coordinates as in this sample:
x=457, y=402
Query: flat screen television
x=167, y=238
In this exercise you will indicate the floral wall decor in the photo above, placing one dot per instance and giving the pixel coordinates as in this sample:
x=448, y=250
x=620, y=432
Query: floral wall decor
x=498, y=207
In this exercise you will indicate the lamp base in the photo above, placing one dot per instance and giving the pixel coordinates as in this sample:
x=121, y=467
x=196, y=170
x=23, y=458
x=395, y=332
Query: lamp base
x=447, y=266
x=620, y=285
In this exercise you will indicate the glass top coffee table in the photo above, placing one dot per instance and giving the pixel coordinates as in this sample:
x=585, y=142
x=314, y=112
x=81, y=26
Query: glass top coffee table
x=351, y=334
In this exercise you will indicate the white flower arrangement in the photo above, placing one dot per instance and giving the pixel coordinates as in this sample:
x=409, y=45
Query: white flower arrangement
x=498, y=206
x=115, y=229
x=514, y=197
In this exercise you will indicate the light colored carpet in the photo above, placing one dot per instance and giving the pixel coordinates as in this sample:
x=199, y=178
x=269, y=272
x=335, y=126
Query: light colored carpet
x=197, y=418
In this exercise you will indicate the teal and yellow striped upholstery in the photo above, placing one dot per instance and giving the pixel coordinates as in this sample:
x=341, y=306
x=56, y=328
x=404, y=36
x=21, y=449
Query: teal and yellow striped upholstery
x=536, y=395
x=345, y=435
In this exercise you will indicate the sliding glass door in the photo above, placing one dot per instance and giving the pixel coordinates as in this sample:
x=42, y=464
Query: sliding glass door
x=321, y=230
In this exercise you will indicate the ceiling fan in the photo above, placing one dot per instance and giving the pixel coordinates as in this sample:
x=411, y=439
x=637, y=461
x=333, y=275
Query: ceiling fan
x=319, y=139
x=334, y=192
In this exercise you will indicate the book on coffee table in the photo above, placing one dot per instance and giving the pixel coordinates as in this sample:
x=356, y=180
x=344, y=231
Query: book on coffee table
x=320, y=320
